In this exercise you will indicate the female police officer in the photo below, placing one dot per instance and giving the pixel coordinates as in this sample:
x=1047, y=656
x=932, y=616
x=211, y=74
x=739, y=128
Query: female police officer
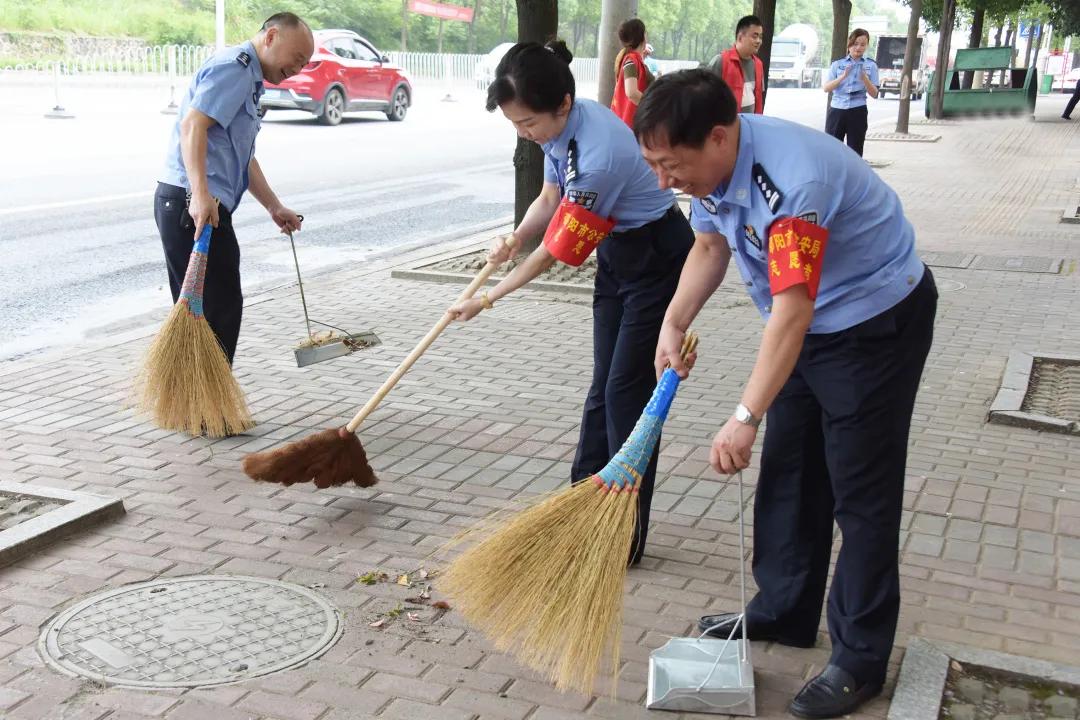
x=850, y=80
x=829, y=259
x=595, y=182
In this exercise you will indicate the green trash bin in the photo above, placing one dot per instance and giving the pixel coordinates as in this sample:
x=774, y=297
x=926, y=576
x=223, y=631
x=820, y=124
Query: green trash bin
x=1046, y=84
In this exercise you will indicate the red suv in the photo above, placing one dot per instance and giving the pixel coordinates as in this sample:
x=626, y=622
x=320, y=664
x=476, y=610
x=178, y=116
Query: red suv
x=346, y=74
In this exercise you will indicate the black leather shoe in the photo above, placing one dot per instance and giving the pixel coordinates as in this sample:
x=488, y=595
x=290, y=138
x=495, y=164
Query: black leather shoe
x=831, y=694
x=719, y=626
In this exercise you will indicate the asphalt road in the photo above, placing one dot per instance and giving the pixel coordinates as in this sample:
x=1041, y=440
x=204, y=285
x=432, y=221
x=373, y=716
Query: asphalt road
x=76, y=222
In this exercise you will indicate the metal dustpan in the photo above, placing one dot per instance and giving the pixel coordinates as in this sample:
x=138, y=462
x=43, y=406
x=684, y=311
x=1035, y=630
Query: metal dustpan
x=319, y=347
x=702, y=674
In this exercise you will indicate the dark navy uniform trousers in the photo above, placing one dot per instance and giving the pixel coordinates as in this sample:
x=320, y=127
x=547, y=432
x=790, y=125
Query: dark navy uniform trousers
x=637, y=273
x=835, y=448
x=223, y=301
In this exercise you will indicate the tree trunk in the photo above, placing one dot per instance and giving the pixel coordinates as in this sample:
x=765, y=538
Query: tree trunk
x=404, y=25
x=1010, y=41
x=997, y=35
x=612, y=13
x=504, y=20
x=904, y=113
x=538, y=21
x=841, y=22
x=974, y=40
x=766, y=12
x=1030, y=42
x=472, y=27
x=441, y=23
x=1037, y=42
x=941, y=69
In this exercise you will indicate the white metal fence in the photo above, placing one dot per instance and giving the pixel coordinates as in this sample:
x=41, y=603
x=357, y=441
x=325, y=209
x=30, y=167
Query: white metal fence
x=156, y=60
x=184, y=60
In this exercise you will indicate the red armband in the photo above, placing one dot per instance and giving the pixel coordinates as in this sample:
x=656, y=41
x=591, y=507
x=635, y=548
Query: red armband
x=796, y=248
x=575, y=232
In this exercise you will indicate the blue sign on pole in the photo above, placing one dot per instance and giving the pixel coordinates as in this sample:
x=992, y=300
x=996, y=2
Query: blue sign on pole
x=1025, y=30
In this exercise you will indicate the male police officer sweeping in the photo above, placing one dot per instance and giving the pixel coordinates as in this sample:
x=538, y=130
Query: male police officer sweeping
x=829, y=259
x=211, y=162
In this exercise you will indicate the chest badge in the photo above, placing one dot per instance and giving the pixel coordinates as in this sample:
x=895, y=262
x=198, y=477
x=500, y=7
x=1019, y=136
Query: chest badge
x=751, y=236
x=773, y=196
x=708, y=204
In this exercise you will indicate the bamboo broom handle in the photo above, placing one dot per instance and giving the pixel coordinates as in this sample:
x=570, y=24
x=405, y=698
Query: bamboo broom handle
x=423, y=345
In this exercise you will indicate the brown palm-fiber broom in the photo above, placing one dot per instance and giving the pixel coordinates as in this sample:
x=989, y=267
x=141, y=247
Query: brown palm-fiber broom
x=336, y=456
x=546, y=584
x=186, y=383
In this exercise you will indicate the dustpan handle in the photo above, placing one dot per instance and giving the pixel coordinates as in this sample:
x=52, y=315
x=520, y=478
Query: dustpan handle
x=424, y=344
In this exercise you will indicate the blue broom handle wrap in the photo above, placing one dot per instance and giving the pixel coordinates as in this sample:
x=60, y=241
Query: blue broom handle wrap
x=626, y=469
x=191, y=292
x=663, y=395
x=202, y=243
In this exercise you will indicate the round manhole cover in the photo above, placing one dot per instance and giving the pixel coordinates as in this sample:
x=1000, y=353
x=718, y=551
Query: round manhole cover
x=191, y=631
x=944, y=285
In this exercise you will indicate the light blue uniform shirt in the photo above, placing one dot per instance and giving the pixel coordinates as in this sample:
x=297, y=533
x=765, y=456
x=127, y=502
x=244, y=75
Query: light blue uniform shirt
x=227, y=88
x=606, y=172
x=852, y=92
x=787, y=170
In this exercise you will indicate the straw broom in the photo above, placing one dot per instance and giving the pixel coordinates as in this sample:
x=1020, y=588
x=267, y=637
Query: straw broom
x=546, y=584
x=336, y=456
x=186, y=383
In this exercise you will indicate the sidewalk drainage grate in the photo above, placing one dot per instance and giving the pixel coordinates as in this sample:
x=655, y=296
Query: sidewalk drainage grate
x=947, y=259
x=1054, y=390
x=902, y=137
x=193, y=631
x=1071, y=214
x=1020, y=263
x=1041, y=392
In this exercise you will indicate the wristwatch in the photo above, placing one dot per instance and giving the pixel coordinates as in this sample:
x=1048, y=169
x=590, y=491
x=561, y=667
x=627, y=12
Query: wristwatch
x=743, y=415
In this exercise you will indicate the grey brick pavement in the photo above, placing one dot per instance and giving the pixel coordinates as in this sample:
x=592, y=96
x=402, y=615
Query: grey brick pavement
x=991, y=546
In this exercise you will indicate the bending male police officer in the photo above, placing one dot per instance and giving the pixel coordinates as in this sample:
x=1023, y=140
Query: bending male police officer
x=829, y=259
x=211, y=162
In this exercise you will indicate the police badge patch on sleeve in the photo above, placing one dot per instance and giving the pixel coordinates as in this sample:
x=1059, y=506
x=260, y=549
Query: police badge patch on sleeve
x=584, y=198
x=773, y=197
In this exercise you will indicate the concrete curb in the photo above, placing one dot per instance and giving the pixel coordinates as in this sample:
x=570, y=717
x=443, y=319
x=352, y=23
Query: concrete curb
x=80, y=510
x=921, y=683
x=1006, y=408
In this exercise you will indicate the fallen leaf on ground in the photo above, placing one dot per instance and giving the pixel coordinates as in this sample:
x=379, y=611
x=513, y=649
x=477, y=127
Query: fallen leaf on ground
x=441, y=604
x=378, y=623
x=371, y=578
x=404, y=580
x=414, y=617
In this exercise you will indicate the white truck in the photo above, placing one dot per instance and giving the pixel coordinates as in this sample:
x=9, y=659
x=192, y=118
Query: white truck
x=890, y=61
x=789, y=58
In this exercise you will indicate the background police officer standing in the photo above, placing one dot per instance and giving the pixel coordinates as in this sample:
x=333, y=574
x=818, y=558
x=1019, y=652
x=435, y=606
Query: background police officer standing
x=829, y=259
x=850, y=80
x=211, y=162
